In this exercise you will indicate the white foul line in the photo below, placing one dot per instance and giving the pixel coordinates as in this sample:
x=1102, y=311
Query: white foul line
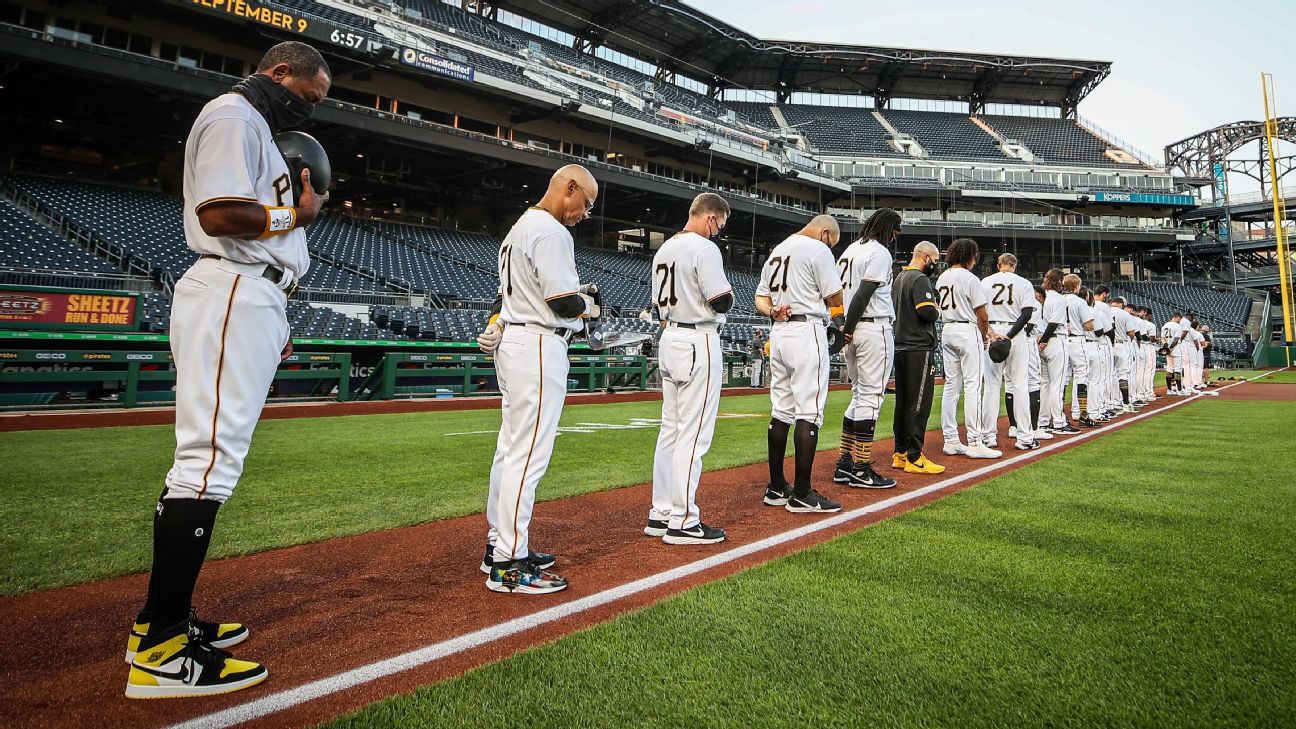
x=289, y=698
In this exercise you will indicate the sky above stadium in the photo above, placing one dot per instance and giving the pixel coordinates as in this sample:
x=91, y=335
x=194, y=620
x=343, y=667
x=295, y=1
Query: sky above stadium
x=1178, y=68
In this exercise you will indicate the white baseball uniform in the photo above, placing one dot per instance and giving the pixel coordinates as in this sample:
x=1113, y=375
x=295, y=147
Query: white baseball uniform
x=959, y=295
x=1077, y=313
x=536, y=265
x=228, y=321
x=1123, y=352
x=688, y=274
x=1054, y=361
x=1170, y=333
x=1101, y=357
x=1006, y=295
x=800, y=272
x=870, y=355
x=1149, y=360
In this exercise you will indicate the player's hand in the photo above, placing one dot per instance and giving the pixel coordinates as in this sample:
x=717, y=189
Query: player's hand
x=592, y=310
x=287, y=350
x=308, y=207
x=489, y=340
x=848, y=337
x=782, y=313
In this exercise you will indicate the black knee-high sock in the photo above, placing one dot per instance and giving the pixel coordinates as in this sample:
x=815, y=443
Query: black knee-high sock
x=848, y=444
x=1034, y=409
x=777, y=438
x=864, y=440
x=1008, y=402
x=182, y=530
x=1124, y=388
x=806, y=439
x=1082, y=394
x=1170, y=381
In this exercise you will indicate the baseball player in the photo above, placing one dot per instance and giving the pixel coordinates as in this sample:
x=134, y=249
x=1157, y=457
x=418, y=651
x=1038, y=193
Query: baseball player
x=798, y=285
x=1010, y=304
x=1124, y=329
x=1101, y=355
x=865, y=268
x=541, y=306
x=1034, y=328
x=1171, y=334
x=692, y=295
x=1149, y=355
x=1053, y=356
x=964, y=338
x=229, y=331
x=1080, y=325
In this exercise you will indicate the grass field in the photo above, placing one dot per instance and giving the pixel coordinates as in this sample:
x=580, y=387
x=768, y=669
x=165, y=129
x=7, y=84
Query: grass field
x=75, y=505
x=1146, y=578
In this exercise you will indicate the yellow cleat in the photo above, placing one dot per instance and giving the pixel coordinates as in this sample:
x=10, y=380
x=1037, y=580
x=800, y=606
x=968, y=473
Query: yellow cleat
x=922, y=465
x=216, y=635
x=899, y=460
x=178, y=664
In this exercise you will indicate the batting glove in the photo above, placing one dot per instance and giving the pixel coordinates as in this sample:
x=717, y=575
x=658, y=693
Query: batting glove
x=489, y=340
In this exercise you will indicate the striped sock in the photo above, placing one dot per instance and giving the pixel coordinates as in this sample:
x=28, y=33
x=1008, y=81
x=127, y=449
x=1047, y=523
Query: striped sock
x=848, y=442
x=864, y=440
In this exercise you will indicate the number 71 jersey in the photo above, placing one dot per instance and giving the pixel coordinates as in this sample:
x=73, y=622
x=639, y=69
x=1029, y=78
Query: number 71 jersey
x=688, y=273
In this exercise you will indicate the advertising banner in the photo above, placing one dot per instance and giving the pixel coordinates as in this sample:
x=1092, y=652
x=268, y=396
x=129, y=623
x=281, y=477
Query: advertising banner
x=42, y=307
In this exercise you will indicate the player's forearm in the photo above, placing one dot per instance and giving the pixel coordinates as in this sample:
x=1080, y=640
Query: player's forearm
x=983, y=322
x=834, y=301
x=1088, y=326
x=1049, y=330
x=570, y=306
x=722, y=303
x=765, y=305
x=858, y=303
x=1022, y=320
x=248, y=220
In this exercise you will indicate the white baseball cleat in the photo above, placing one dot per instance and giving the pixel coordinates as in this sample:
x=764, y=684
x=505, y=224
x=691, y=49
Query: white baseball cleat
x=980, y=451
x=1043, y=434
x=1012, y=431
x=954, y=448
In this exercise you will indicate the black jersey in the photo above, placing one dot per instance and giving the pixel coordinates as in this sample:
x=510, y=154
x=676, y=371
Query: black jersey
x=910, y=291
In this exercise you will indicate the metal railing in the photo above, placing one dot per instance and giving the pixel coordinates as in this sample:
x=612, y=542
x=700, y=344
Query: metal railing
x=74, y=279
x=1121, y=144
x=351, y=296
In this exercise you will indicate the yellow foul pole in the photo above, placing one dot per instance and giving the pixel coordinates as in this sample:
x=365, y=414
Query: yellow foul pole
x=1279, y=208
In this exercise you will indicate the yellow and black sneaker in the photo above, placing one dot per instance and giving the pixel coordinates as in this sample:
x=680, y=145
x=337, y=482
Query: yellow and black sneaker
x=899, y=460
x=216, y=635
x=178, y=664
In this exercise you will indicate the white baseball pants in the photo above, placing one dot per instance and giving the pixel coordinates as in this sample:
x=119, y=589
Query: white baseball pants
x=228, y=328
x=691, y=363
x=870, y=358
x=798, y=371
x=1054, y=362
x=1016, y=369
x=964, y=358
x=531, y=367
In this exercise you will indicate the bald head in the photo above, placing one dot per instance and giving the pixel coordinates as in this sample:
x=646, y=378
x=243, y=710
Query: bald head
x=927, y=248
x=824, y=228
x=924, y=254
x=571, y=194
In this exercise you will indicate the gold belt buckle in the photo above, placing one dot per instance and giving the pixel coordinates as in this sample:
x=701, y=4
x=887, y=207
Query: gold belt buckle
x=291, y=290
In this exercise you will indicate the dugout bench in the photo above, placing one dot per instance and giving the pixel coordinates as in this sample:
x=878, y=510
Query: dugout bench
x=460, y=374
x=26, y=373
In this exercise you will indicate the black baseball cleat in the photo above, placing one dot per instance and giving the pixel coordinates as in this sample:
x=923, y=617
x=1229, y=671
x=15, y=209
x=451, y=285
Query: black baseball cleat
x=811, y=503
x=541, y=560
x=842, y=473
x=1029, y=445
x=1067, y=429
x=864, y=477
x=655, y=528
x=777, y=495
x=697, y=534
x=1088, y=422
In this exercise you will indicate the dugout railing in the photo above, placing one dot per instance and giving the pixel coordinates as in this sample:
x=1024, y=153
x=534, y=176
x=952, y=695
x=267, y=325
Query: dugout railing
x=417, y=374
x=106, y=377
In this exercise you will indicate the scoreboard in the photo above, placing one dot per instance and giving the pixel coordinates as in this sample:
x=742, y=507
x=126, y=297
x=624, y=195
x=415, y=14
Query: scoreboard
x=303, y=24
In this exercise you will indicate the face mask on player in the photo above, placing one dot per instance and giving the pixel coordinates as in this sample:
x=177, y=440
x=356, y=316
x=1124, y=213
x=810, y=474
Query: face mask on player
x=281, y=108
x=715, y=237
x=930, y=268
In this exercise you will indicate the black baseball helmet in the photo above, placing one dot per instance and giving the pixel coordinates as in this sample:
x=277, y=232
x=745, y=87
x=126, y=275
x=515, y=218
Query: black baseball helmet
x=999, y=350
x=836, y=340
x=302, y=151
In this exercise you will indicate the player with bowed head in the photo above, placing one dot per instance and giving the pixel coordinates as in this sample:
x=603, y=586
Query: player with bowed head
x=964, y=339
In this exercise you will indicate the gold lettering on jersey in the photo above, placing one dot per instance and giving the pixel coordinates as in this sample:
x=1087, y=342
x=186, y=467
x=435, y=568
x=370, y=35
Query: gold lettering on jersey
x=282, y=187
x=259, y=13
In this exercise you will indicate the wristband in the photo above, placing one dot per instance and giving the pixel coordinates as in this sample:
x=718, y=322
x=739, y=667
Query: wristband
x=836, y=311
x=279, y=220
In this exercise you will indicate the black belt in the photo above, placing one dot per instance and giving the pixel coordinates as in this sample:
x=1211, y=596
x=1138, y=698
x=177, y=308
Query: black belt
x=1003, y=322
x=958, y=321
x=875, y=318
x=272, y=273
x=805, y=317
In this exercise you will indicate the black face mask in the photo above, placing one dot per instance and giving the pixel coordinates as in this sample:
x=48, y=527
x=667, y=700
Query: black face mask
x=281, y=108
x=930, y=269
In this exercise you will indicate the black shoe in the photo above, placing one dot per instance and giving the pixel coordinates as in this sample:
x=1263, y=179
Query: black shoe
x=811, y=503
x=1088, y=423
x=541, y=560
x=698, y=534
x=655, y=528
x=1030, y=445
x=1067, y=429
x=842, y=474
x=777, y=495
x=865, y=477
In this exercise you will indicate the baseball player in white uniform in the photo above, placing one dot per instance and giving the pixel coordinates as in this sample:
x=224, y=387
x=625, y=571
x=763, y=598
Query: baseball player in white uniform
x=1171, y=334
x=541, y=306
x=964, y=337
x=1125, y=328
x=1010, y=302
x=798, y=285
x=1080, y=326
x=1149, y=355
x=692, y=295
x=229, y=331
x=1034, y=378
x=1054, y=359
x=865, y=268
x=1100, y=358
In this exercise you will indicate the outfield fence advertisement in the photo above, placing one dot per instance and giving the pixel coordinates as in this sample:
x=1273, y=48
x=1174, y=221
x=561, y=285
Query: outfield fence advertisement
x=42, y=307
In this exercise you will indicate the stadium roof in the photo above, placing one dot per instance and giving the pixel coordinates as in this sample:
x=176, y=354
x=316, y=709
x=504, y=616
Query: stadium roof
x=681, y=39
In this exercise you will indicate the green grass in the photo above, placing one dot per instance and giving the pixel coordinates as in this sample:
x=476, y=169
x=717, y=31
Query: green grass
x=75, y=505
x=1143, y=579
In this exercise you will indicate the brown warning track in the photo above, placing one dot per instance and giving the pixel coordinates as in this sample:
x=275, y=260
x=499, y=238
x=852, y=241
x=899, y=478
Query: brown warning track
x=67, y=419
x=316, y=610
